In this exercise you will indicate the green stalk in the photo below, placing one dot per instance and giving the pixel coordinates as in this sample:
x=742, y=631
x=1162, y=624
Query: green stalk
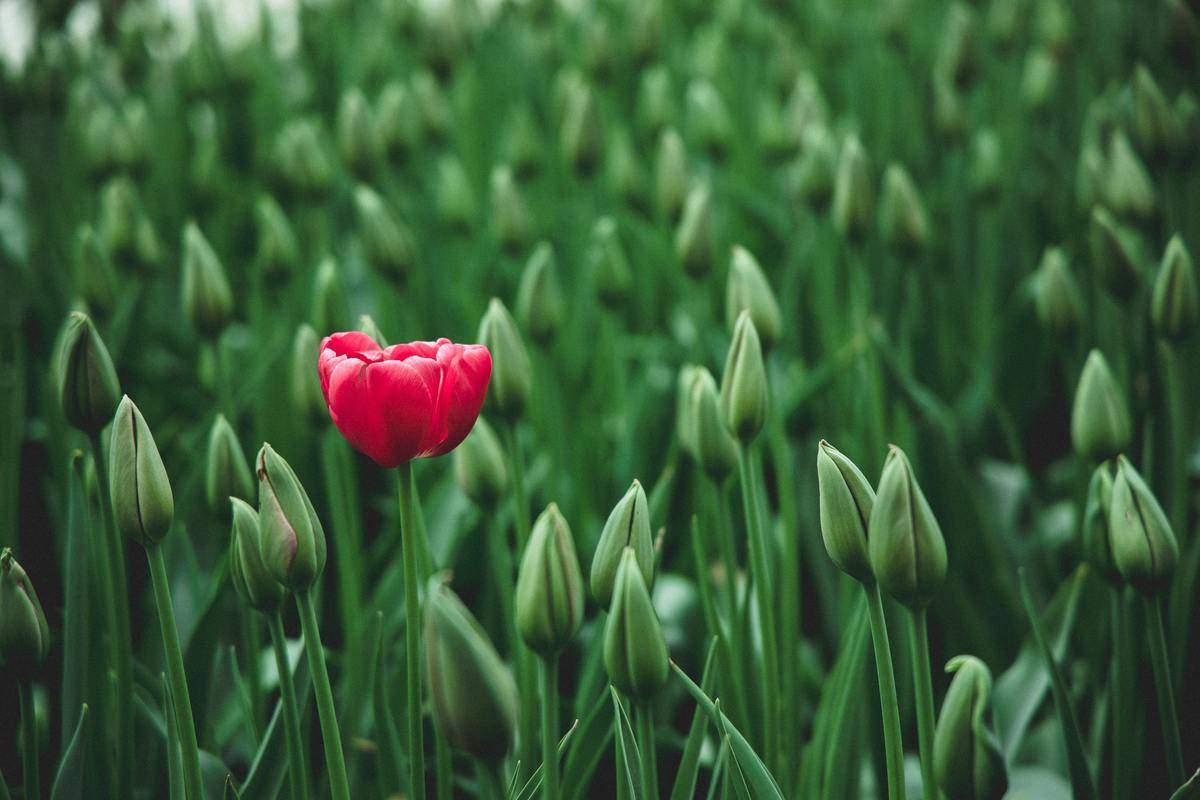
x=29, y=749
x=1177, y=439
x=412, y=634
x=1157, y=641
x=729, y=555
x=550, y=728
x=768, y=665
x=291, y=713
x=331, y=736
x=525, y=665
x=644, y=712
x=520, y=501
x=1117, y=691
x=250, y=644
x=893, y=743
x=443, y=767
x=346, y=534
x=500, y=557
x=789, y=584
x=189, y=748
x=923, y=679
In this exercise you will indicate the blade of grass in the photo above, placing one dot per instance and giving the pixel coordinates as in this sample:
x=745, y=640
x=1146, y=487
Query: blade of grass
x=689, y=762
x=68, y=783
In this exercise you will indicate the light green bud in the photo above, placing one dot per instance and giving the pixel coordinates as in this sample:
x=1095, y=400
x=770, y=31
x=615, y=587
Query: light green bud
x=846, y=500
x=480, y=467
x=1127, y=188
x=628, y=526
x=302, y=159
x=625, y=174
x=142, y=502
x=901, y=212
x=88, y=389
x=812, y=177
x=695, y=245
x=512, y=371
x=397, y=121
x=1153, y=125
x=455, y=196
x=329, y=310
x=539, y=295
x=510, y=216
x=611, y=273
x=853, y=197
x=387, y=244
x=549, y=594
x=967, y=758
x=435, y=112
x=24, y=634
x=227, y=474
x=1100, y=424
x=1056, y=295
x=1039, y=79
x=904, y=540
x=580, y=138
x=1097, y=539
x=247, y=572
x=956, y=56
x=707, y=117
x=523, y=145
x=670, y=174
x=304, y=383
x=358, y=137
x=1114, y=254
x=206, y=296
x=744, y=388
x=714, y=447
x=656, y=100
x=987, y=162
x=292, y=539
x=366, y=324
x=1143, y=545
x=278, y=248
x=94, y=270
x=635, y=651
x=1175, y=304
x=747, y=289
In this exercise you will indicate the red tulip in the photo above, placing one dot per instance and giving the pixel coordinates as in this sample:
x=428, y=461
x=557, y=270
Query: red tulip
x=406, y=401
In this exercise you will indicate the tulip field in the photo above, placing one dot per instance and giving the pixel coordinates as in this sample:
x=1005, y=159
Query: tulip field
x=517, y=399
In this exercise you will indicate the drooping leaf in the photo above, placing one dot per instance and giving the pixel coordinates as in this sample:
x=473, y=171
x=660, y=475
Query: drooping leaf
x=587, y=748
x=68, y=782
x=629, y=759
x=689, y=763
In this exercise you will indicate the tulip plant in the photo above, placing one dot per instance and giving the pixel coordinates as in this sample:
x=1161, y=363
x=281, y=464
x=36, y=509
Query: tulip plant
x=480, y=353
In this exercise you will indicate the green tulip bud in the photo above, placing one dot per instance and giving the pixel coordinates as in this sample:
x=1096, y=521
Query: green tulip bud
x=580, y=138
x=142, y=502
x=747, y=289
x=1153, y=122
x=967, y=759
x=480, y=467
x=987, y=162
x=329, y=311
x=1056, y=294
x=1100, y=423
x=611, y=271
x=1004, y=19
x=949, y=110
x=366, y=324
x=670, y=174
x=656, y=100
x=247, y=572
x=1175, y=305
x=207, y=298
x=549, y=594
x=1097, y=539
x=120, y=215
x=301, y=158
x=24, y=634
x=853, y=197
x=539, y=295
x=695, y=245
x=904, y=541
x=715, y=449
x=1143, y=545
x=358, y=138
x=512, y=372
x=387, y=243
x=956, y=54
x=1090, y=174
x=807, y=110
x=304, y=384
x=205, y=167
x=777, y=138
x=625, y=174
x=1039, y=79
x=523, y=144
x=1052, y=25
x=397, y=124
x=813, y=176
x=87, y=382
x=627, y=527
x=846, y=501
x=901, y=212
x=94, y=271
x=278, y=248
x=1114, y=254
x=228, y=473
x=635, y=651
x=707, y=117
x=473, y=693
x=292, y=539
x=1127, y=187
x=744, y=384
x=455, y=196
x=510, y=216
x=435, y=113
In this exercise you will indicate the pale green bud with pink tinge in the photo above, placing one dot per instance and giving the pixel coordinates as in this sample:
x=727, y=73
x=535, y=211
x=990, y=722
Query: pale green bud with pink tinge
x=291, y=536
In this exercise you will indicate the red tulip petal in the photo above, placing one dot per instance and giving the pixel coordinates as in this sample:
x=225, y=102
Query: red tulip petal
x=348, y=342
x=467, y=368
x=401, y=397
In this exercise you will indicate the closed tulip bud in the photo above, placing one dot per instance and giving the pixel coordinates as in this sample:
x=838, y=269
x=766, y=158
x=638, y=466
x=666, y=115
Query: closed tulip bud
x=247, y=572
x=695, y=245
x=1153, y=123
x=474, y=697
x=358, y=138
x=1004, y=19
x=301, y=158
x=480, y=467
x=292, y=539
x=949, y=110
x=435, y=113
x=904, y=540
x=549, y=594
x=610, y=266
x=901, y=212
x=512, y=372
x=846, y=501
x=853, y=197
x=714, y=448
x=397, y=124
x=510, y=216
x=967, y=759
x=580, y=138
x=1056, y=294
x=627, y=527
x=813, y=176
x=1127, y=188
x=228, y=473
x=956, y=54
x=635, y=651
x=1097, y=540
x=1100, y=423
x=744, y=384
x=94, y=270
x=656, y=100
x=1114, y=255
x=1052, y=25
x=1143, y=545
x=1039, y=79
x=987, y=163
x=24, y=635
x=205, y=167
x=539, y=295
x=120, y=212
x=523, y=145
x=366, y=324
x=207, y=298
x=387, y=243
x=278, y=248
x=747, y=289
x=87, y=382
x=142, y=502
x=329, y=309
x=1175, y=305
x=625, y=174
x=707, y=117
x=670, y=174
x=304, y=383
x=455, y=196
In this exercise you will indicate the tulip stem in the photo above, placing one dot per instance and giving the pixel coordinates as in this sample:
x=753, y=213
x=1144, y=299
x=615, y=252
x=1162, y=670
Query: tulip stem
x=522, y=656
x=1157, y=641
x=442, y=765
x=520, y=502
x=923, y=680
x=893, y=743
x=550, y=728
x=180, y=698
x=331, y=736
x=500, y=557
x=291, y=713
x=29, y=749
x=644, y=713
x=1118, y=691
x=412, y=633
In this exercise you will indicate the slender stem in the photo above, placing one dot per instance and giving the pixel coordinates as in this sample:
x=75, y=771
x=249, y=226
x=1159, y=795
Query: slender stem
x=291, y=712
x=893, y=743
x=412, y=634
x=1157, y=641
x=525, y=665
x=768, y=665
x=331, y=737
x=789, y=583
x=1177, y=439
x=29, y=749
x=923, y=679
x=729, y=555
x=500, y=557
x=250, y=645
x=189, y=748
x=1117, y=691
x=520, y=501
x=442, y=765
x=644, y=712
x=550, y=728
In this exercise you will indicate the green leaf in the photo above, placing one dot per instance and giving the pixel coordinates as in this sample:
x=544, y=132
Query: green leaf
x=68, y=783
x=534, y=784
x=76, y=665
x=587, y=748
x=269, y=767
x=629, y=759
x=1036, y=783
x=689, y=763
x=1190, y=790
x=386, y=733
x=231, y=792
x=174, y=754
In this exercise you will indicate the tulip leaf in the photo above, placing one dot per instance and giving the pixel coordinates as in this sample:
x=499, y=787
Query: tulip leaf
x=629, y=759
x=76, y=666
x=174, y=754
x=68, y=783
x=1190, y=790
x=689, y=763
x=587, y=749
x=242, y=690
x=231, y=792
x=534, y=784
x=385, y=722
x=268, y=770
x=1027, y=782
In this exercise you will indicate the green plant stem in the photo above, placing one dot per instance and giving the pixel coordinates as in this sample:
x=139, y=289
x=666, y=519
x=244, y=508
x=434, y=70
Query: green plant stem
x=250, y=645
x=550, y=780
x=789, y=584
x=412, y=633
x=520, y=501
x=189, y=748
x=729, y=555
x=331, y=736
x=500, y=557
x=443, y=766
x=923, y=681
x=893, y=743
x=1117, y=691
x=526, y=667
x=1157, y=641
x=768, y=665
x=298, y=774
x=1178, y=437
x=29, y=744
x=644, y=712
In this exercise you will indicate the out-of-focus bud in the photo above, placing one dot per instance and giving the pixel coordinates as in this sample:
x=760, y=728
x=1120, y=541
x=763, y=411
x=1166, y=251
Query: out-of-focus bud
x=1143, y=545
x=1052, y=25
x=656, y=100
x=846, y=499
x=397, y=122
x=228, y=473
x=695, y=242
x=549, y=594
x=967, y=759
x=247, y=572
x=747, y=289
x=707, y=117
x=904, y=540
x=1114, y=254
x=1153, y=124
x=94, y=271
x=853, y=197
x=744, y=382
x=24, y=634
x=580, y=138
x=387, y=243
x=611, y=272
x=329, y=309
x=987, y=162
x=813, y=175
x=87, y=382
x=435, y=112
x=635, y=651
x=455, y=197
x=956, y=54
x=670, y=174
x=523, y=145
x=205, y=166
x=1056, y=295
x=776, y=137
x=713, y=446
x=625, y=174
x=627, y=527
x=806, y=109
x=1039, y=79
x=474, y=697
x=304, y=385
x=949, y=110
x=358, y=137
x=1097, y=540
x=901, y=212
x=480, y=468
x=126, y=231
x=512, y=372
x=206, y=296
x=510, y=217
x=1175, y=305
x=1090, y=171
x=278, y=248
x=301, y=158
x=539, y=295
x=1004, y=19
x=1100, y=424
x=1127, y=188
x=142, y=502
x=292, y=539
